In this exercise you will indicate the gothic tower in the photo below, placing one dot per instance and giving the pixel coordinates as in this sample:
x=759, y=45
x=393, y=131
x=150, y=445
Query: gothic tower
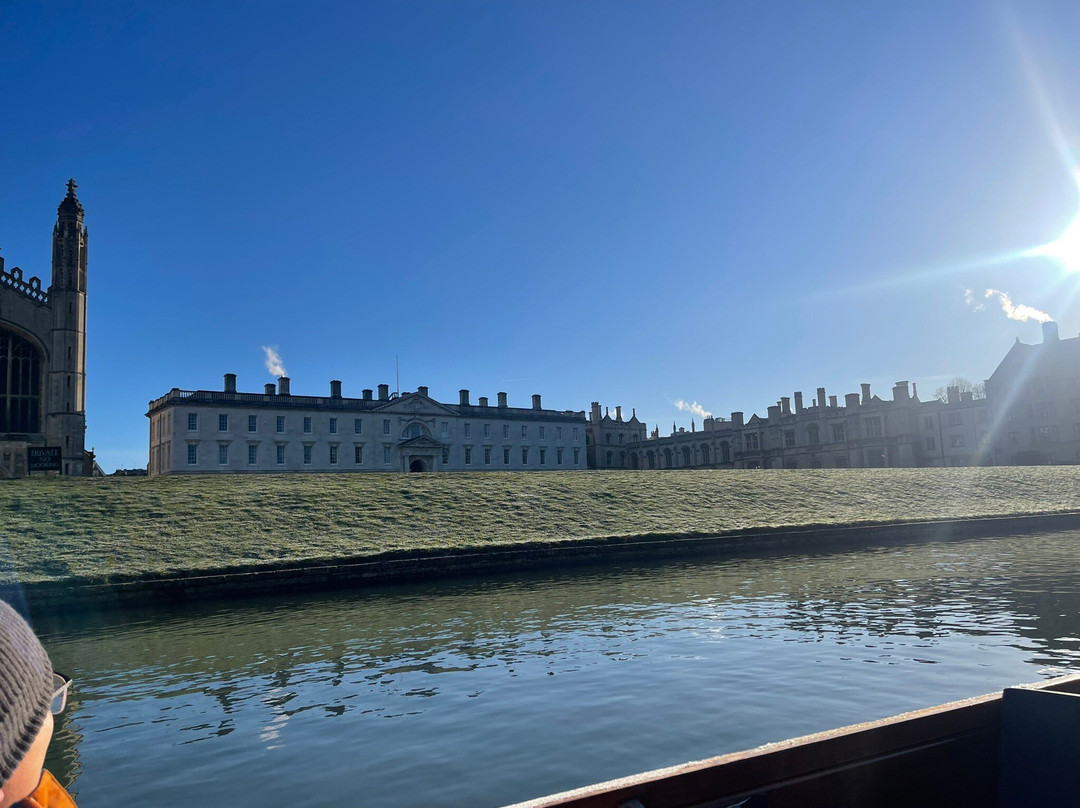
x=65, y=420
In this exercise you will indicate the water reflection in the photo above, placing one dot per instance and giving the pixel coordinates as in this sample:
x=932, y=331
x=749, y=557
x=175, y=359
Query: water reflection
x=485, y=692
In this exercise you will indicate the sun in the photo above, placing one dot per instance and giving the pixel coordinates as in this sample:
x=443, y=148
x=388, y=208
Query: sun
x=1065, y=249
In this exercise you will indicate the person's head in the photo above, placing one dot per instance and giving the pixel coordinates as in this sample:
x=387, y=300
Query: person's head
x=26, y=690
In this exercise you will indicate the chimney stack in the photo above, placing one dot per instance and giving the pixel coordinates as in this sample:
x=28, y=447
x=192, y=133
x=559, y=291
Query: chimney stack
x=821, y=397
x=865, y=393
x=335, y=388
x=952, y=393
x=798, y=404
x=1050, y=331
x=618, y=412
x=851, y=401
x=269, y=388
x=367, y=394
x=832, y=401
x=422, y=391
x=774, y=412
x=785, y=405
x=384, y=392
x=463, y=398
x=536, y=401
x=736, y=419
x=900, y=391
x=483, y=401
x=502, y=399
x=230, y=382
x=283, y=386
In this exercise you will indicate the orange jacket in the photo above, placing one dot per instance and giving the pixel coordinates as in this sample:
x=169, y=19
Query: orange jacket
x=48, y=794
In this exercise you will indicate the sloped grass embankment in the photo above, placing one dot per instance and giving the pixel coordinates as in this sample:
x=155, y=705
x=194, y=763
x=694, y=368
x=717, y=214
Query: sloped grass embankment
x=99, y=528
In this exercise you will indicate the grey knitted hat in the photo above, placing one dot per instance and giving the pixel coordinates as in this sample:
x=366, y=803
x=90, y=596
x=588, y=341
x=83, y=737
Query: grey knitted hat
x=26, y=684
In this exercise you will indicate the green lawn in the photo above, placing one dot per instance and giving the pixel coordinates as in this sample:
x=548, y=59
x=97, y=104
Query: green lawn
x=54, y=528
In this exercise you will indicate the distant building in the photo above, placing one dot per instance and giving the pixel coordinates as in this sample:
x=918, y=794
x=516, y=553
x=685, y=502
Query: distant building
x=223, y=431
x=1034, y=397
x=43, y=354
x=865, y=432
x=608, y=438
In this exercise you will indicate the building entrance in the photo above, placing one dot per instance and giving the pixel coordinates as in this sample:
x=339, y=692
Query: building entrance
x=417, y=465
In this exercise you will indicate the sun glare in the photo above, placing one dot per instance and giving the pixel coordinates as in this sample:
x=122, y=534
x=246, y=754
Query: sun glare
x=1065, y=249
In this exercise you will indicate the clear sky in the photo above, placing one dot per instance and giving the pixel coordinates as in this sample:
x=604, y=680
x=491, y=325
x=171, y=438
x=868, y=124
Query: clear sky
x=636, y=203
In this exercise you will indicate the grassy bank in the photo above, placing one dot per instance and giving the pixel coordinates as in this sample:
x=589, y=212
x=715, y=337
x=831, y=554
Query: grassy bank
x=55, y=528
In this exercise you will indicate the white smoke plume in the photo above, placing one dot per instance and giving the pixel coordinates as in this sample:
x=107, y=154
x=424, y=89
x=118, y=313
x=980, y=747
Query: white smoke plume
x=274, y=366
x=693, y=407
x=1018, y=311
x=969, y=298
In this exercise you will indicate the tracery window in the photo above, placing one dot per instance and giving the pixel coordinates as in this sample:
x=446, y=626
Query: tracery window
x=20, y=384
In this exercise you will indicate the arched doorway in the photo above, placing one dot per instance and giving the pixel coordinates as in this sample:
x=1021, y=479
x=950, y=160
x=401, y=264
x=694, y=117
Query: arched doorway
x=417, y=465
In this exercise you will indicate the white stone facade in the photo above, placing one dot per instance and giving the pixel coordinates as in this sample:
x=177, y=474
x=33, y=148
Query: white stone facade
x=216, y=432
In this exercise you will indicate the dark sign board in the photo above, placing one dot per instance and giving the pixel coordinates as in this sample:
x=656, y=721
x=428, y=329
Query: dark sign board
x=43, y=458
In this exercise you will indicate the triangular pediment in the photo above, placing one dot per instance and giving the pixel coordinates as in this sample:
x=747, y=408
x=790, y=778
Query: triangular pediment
x=415, y=404
x=421, y=442
x=754, y=420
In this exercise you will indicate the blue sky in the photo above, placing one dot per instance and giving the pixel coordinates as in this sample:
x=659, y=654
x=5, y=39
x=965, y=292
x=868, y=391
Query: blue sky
x=628, y=202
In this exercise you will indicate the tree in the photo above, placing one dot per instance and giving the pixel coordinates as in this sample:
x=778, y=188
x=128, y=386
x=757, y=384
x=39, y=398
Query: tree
x=965, y=385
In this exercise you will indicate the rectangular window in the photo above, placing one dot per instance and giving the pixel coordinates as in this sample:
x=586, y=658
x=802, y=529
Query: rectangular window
x=253, y=454
x=543, y=456
x=445, y=456
x=558, y=457
x=928, y=421
x=506, y=455
x=1076, y=431
x=752, y=443
x=281, y=423
x=954, y=419
x=445, y=428
x=524, y=455
x=931, y=444
x=524, y=432
x=468, y=430
x=307, y=455
x=192, y=454
x=358, y=454
x=307, y=424
x=487, y=430
x=280, y=459
x=357, y=426
x=789, y=438
x=506, y=431
x=1043, y=435
x=575, y=433
x=253, y=423
x=192, y=421
x=577, y=457
x=223, y=454
x=386, y=428
x=487, y=455
x=386, y=452
x=956, y=441
x=541, y=433
x=558, y=433
x=333, y=426
x=468, y=456
x=333, y=455
x=223, y=423
x=1014, y=438
x=838, y=433
x=873, y=426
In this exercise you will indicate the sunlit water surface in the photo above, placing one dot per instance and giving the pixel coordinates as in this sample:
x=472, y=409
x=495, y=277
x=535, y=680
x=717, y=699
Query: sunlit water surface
x=484, y=692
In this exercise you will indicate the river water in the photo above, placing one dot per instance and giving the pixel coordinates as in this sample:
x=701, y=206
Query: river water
x=481, y=692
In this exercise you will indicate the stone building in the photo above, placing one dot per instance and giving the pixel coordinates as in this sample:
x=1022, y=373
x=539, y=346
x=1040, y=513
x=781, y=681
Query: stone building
x=43, y=354
x=865, y=431
x=225, y=431
x=1034, y=397
x=608, y=438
